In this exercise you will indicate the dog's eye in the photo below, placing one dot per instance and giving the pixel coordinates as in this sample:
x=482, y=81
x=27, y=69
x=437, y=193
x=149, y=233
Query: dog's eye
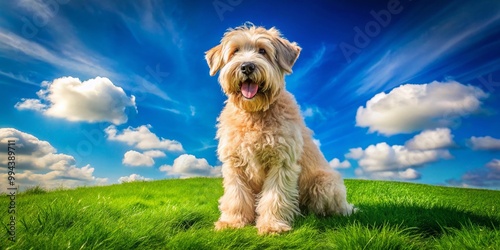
x=236, y=50
x=262, y=51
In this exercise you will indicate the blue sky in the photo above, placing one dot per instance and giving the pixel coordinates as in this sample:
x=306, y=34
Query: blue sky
x=102, y=92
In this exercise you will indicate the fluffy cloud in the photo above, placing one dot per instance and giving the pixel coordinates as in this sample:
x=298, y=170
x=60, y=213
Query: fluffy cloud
x=132, y=178
x=414, y=107
x=355, y=153
x=135, y=159
x=484, y=143
x=38, y=163
x=487, y=176
x=431, y=139
x=142, y=138
x=382, y=161
x=317, y=142
x=336, y=163
x=186, y=166
x=31, y=104
x=494, y=165
x=382, y=157
x=34, y=154
x=93, y=100
x=312, y=111
x=408, y=174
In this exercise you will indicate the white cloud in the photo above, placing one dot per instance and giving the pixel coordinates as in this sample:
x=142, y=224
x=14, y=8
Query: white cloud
x=186, y=166
x=68, y=178
x=135, y=159
x=408, y=174
x=431, y=139
x=336, y=163
x=132, y=178
x=93, y=100
x=317, y=142
x=312, y=111
x=382, y=161
x=308, y=112
x=192, y=109
x=31, y=104
x=382, y=157
x=142, y=138
x=38, y=163
x=355, y=153
x=414, y=107
x=34, y=154
x=487, y=176
x=484, y=143
x=494, y=165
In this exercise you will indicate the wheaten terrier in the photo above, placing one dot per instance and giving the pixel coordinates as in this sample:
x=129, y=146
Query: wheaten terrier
x=271, y=165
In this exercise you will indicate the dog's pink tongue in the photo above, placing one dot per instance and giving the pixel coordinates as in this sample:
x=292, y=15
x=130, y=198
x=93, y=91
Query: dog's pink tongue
x=249, y=89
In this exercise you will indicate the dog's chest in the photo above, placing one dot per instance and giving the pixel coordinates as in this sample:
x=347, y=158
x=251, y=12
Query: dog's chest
x=260, y=142
x=259, y=150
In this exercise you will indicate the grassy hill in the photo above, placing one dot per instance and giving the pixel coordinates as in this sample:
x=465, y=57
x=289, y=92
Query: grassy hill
x=179, y=214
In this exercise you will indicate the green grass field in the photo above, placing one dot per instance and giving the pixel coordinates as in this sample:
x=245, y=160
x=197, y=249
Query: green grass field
x=179, y=214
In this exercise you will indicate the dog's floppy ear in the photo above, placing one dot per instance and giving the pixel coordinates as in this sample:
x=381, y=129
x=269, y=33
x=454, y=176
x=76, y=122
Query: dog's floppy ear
x=286, y=54
x=214, y=59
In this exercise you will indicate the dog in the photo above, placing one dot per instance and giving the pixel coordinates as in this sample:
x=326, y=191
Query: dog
x=271, y=167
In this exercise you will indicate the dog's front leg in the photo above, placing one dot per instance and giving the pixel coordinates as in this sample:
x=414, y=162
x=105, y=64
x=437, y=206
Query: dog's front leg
x=237, y=203
x=278, y=202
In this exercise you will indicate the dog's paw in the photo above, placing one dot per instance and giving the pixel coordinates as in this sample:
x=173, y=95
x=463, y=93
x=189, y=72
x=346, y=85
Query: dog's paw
x=355, y=210
x=350, y=209
x=220, y=225
x=273, y=228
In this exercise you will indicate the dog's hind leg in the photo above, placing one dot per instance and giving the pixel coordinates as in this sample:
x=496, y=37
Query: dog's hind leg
x=326, y=194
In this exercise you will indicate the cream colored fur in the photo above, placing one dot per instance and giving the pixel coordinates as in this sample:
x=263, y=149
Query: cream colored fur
x=270, y=164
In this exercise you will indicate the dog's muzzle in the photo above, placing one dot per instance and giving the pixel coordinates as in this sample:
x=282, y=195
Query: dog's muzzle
x=248, y=87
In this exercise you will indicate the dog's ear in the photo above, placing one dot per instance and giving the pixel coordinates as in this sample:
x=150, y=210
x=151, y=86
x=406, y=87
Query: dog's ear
x=286, y=54
x=214, y=59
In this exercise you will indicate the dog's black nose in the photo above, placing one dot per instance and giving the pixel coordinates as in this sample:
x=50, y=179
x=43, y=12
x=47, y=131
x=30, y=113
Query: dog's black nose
x=247, y=68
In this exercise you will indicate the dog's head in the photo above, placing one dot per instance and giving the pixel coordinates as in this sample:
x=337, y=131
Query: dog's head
x=252, y=62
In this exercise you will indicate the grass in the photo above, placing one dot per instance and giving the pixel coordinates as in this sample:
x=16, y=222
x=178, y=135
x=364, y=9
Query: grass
x=179, y=214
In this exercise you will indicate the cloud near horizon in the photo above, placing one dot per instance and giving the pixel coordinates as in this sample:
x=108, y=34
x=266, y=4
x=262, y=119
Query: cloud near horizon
x=382, y=161
x=486, y=176
x=39, y=164
x=132, y=178
x=186, y=166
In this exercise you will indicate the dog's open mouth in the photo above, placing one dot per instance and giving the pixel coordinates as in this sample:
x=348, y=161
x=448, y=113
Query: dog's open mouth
x=249, y=89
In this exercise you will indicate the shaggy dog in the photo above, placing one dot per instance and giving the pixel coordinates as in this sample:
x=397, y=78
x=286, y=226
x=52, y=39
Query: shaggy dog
x=271, y=165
